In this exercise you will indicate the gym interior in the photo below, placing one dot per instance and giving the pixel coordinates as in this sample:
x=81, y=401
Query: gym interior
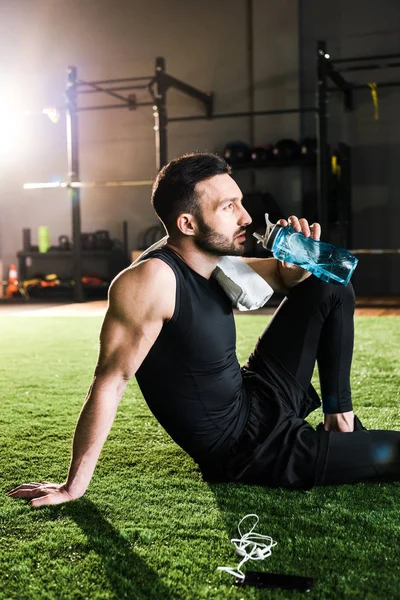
x=301, y=99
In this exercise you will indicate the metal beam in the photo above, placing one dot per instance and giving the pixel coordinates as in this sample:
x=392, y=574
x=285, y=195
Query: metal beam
x=250, y=70
x=376, y=251
x=98, y=88
x=365, y=86
x=322, y=137
x=189, y=90
x=341, y=83
x=119, y=88
x=115, y=80
x=362, y=58
x=47, y=185
x=257, y=113
x=112, y=106
x=160, y=114
x=73, y=174
x=375, y=67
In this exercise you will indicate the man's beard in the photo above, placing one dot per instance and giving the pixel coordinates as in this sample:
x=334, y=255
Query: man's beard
x=216, y=243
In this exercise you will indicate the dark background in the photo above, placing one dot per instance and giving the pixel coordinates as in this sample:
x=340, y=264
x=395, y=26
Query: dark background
x=212, y=46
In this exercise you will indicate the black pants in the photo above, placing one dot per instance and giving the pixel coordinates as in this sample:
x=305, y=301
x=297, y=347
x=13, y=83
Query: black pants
x=315, y=324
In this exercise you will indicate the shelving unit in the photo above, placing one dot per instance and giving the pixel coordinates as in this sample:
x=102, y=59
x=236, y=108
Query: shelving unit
x=31, y=262
x=157, y=85
x=278, y=164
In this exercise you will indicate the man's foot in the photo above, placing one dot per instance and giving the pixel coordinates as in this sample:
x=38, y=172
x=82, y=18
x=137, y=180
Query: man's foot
x=358, y=426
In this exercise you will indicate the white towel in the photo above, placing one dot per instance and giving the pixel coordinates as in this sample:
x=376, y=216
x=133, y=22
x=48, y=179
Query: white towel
x=246, y=288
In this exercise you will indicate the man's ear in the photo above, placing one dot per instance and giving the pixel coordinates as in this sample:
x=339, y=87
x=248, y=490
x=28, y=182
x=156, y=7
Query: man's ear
x=186, y=224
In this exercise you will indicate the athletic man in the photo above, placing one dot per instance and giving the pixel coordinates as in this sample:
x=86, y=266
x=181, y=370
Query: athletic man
x=171, y=324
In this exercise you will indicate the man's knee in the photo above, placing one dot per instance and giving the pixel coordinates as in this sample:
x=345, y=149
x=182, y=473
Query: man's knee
x=320, y=291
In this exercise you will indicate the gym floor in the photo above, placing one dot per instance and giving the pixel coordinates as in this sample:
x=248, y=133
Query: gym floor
x=365, y=307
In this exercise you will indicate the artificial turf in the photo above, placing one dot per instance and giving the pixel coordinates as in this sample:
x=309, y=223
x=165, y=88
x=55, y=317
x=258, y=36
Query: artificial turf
x=148, y=526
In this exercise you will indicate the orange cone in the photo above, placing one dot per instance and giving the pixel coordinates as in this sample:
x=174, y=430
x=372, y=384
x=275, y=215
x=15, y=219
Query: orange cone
x=12, y=286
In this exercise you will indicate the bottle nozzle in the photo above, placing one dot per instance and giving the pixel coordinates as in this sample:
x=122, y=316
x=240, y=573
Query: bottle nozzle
x=263, y=239
x=259, y=238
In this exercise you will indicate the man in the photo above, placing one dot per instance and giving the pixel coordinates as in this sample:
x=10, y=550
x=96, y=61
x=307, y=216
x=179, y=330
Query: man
x=171, y=324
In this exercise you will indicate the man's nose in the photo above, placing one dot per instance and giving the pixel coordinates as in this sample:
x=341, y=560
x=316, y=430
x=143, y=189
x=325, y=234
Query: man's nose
x=244, y=219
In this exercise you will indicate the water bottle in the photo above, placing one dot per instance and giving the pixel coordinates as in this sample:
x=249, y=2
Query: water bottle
x=328, y=262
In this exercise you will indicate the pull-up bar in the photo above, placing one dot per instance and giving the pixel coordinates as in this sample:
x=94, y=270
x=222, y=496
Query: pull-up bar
x=326, y=71
x=157, y=86
x=162, y=82
x=132, y=105
x=118, y=88
x=363, y=58
x=257, y=113
x=121, y=80
x=366, y=86
x=374, y=67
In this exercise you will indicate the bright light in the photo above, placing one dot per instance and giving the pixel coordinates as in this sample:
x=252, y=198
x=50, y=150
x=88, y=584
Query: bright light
x=11, y=125
x=15, y=126
x=52, y=113
x=46, y=185
x=327, y=55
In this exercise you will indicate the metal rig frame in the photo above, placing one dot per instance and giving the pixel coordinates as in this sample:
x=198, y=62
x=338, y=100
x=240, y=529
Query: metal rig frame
x=157, y=86
x=161, y=81
x=331, y=69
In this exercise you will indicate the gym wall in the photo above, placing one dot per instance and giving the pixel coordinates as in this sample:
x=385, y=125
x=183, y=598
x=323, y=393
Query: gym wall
x=204, y=44
x=358, y=28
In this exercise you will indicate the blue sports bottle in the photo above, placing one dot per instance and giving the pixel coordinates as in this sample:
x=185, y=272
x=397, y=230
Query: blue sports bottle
x=328, y=262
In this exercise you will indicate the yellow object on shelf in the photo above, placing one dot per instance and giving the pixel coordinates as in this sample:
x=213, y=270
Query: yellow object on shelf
x=43, y=238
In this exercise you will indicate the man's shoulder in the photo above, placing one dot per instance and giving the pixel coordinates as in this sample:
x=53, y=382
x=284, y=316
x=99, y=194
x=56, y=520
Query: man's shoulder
x=147, y=272
x=147, y=287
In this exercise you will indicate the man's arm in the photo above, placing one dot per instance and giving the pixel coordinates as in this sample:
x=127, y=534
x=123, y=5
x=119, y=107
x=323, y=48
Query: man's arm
x=141, y=299
x=283, y=276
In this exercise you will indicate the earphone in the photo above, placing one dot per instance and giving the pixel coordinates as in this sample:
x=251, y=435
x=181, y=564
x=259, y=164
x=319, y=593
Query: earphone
x=250, y=546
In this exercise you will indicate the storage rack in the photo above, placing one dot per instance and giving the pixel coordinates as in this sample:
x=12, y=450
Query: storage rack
x=330, y=70
x=158, y=85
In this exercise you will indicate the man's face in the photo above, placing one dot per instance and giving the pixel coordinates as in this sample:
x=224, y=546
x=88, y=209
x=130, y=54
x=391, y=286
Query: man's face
x=222, y=222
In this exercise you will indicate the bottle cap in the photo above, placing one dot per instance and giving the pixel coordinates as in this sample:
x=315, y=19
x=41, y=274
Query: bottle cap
x=270, y=233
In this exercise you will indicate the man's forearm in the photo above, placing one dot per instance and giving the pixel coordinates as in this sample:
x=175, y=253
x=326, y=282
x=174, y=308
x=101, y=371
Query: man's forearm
x=291, y=275
x=279, y=277
x=91, y=431
x=269, y=270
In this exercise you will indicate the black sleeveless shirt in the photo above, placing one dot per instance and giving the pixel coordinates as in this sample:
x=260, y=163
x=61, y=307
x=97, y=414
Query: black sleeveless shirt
x=191, y=378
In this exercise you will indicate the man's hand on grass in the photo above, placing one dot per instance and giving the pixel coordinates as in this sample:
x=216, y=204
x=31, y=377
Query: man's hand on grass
x=343, y=422
x=42, y=494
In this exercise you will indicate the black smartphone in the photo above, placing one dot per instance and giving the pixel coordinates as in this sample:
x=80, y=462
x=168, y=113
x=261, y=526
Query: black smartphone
x=274, y=580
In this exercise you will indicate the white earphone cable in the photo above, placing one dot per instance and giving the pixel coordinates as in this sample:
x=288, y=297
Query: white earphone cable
x=252, y=546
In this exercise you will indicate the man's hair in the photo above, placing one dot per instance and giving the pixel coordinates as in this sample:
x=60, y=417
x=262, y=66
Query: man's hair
x=174, y=188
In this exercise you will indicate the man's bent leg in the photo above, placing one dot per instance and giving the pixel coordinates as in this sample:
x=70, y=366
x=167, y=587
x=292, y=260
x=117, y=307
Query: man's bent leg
x=314, y=323
x=362, y=456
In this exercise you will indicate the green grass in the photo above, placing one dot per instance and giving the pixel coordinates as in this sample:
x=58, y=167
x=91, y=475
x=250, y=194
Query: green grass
x=148, y=526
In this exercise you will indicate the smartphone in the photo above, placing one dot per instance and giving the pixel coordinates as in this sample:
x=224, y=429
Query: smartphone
x=274, y=580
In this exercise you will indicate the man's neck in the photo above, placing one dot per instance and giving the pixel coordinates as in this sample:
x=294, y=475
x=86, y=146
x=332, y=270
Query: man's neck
x=201, y=262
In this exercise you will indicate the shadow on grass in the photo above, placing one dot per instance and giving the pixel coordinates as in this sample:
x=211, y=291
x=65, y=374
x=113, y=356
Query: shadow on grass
x=302, y=522
x=235, y=500
x=128, y=574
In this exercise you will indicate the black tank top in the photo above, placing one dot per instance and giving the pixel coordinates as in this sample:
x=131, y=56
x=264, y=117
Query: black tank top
x=191, y=378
